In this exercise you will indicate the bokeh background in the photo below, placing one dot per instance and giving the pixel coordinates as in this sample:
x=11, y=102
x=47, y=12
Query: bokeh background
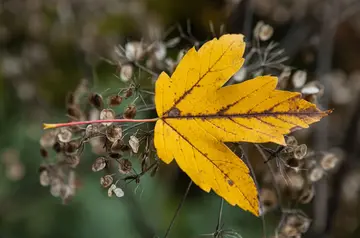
x=48, y=46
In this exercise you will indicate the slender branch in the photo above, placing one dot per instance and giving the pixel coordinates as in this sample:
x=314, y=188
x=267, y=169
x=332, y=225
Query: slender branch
x=76, y=123
x=278, y=193
x=258, y=187
x=178, y=209
x=220, y=215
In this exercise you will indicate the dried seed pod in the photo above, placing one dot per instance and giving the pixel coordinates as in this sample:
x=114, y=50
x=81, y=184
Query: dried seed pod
x=134, y=50
x=307, y=195
x=114, y=100
x=43, y=152
x=126, y=72
x=268, y=199
x=285, y=74
x=299, y=78
x=71, y=147
x=57, y=147
x=160, y=51
x=92, y=130
x=45, y=178
x=111, y=190
x=293, y=163
x=125, y=166
x=315, y=174
x=55, y=188
x=329, y=161
x=257, y=28
x=72, y=161
x=106, y=181
x=128, y=93
x=286, y=153
x=265, y=32
x=48, y=139
x=289, y=231
x=99, y=164
x=313, y=88
x=115, y=155
x=113, y=133
x=117, y=146
x=64, y=135
x=96, y=100
x=107, y=114
x=134, y=143
x=296, y=181
x=118, y=192
x=240, y=75
x=74, y=112
x=300, y=151
x=291, y=141
x=70, y=99
x=130, y=112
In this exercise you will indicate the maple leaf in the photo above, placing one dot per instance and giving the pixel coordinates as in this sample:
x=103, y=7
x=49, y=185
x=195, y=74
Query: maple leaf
x=197, y=115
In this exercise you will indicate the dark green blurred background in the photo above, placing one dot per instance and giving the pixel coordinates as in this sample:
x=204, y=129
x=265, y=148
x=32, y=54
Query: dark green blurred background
x=48, y=46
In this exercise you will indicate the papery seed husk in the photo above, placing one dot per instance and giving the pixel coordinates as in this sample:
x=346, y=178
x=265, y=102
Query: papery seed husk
x=99, y=164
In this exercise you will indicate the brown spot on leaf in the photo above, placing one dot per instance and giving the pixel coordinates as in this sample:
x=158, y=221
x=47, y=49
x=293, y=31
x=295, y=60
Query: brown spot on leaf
x=230, y=182
x=174, y=112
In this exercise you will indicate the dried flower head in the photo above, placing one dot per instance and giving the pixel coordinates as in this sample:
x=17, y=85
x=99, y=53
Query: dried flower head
x=44, y=153
x=114, y=100
x=96, y=100
x=75, y=113
x=128, y=93
x=107, y=114
x=111, y=190
x=291, y=141
x=134, y=51
x=71, y=148
x=126, y=72
x=92, y=130
x=44, y=178
x=118, y=192
x=64, y=135
x=99, y=164
x=130, y=112
x=240, y=75
x=134, y=143
x=113, y=133
x=315, y=174
x=299, y=78
x=300, y=151
x=106, y=181
x=329, y=161
x=125, y=166
x=265, y=32
x=72, y=161
x=307, y=195
x=268, y=199
x=313, y=88
x=48, y=139
x=160, y=51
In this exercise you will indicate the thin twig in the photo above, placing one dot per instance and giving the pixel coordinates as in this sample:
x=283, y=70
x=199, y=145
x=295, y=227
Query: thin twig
x=220, y=215
x=178, y=209
x=278, y=193
x=246, y=158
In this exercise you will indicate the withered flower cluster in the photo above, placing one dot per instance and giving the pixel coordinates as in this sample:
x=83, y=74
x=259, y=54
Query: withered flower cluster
x=111, y=142
x=290, y=180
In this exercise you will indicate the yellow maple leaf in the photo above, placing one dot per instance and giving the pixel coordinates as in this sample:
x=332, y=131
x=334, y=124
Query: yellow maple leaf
x=197, y=115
